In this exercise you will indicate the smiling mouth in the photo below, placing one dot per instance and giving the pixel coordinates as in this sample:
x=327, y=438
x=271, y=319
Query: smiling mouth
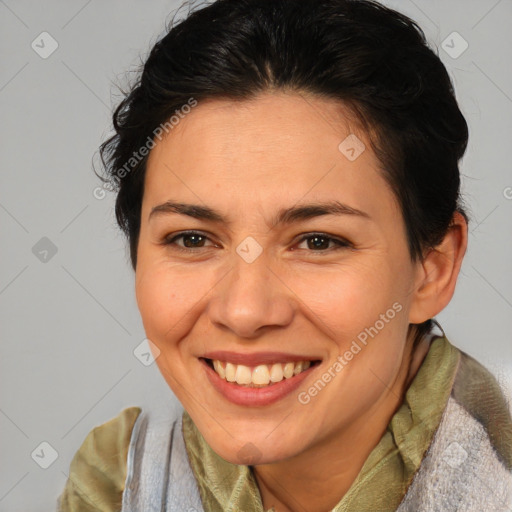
x=261, y=376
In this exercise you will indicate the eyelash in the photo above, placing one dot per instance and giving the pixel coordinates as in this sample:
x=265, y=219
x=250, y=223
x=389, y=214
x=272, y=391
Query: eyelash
x=341, y=243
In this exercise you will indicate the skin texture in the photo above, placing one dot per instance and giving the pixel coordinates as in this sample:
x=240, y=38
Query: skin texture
x=248, y=160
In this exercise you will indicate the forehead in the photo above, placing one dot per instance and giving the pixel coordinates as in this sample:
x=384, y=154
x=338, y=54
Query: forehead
x=274, y=148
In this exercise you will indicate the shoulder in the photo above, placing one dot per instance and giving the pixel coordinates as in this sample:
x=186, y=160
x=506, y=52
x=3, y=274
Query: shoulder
x=468, y=465
x=97, y=472
x=480, y=394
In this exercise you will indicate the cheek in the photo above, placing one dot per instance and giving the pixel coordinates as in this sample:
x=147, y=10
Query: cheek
x=171, y=298
x=349, y=298
x=361, y=308
x=166, y=298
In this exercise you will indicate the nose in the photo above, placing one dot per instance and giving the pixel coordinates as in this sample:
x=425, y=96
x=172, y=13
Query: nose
x=251, y=299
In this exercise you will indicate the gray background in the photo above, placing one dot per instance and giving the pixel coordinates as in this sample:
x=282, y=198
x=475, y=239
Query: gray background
x=69, y=321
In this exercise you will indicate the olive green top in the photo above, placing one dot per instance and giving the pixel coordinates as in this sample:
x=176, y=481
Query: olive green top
x=98, y=470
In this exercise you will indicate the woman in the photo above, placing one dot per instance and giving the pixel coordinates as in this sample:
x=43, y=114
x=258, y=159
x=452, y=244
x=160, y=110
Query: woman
x=287, y=177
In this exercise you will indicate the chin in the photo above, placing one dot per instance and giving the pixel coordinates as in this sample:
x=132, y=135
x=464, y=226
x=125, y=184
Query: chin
x=253, y=449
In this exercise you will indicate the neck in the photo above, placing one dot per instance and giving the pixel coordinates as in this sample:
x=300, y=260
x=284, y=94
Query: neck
x=317, y=479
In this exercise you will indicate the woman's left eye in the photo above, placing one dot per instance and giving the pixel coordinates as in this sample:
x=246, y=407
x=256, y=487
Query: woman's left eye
x=195, y=240
x=320, y=240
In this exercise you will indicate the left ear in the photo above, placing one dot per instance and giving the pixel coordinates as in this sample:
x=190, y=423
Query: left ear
x=437, y=274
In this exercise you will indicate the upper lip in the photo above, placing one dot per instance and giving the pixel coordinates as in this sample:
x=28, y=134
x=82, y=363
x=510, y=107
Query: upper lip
x=258, y=358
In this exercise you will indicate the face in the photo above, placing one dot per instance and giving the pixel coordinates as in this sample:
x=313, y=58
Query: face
x=254, y=280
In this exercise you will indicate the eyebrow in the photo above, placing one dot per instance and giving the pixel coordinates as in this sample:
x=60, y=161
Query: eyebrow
x=284, y=216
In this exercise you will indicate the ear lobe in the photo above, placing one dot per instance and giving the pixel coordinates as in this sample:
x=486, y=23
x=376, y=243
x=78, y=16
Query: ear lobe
x=438, y=273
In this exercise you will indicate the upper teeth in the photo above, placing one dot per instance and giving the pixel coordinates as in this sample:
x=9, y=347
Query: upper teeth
x=260, y=375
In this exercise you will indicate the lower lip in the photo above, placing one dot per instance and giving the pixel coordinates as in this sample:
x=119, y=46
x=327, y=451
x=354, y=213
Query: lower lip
x=242, y=395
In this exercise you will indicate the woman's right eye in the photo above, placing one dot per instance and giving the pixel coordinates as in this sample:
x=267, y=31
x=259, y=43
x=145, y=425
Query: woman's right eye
x=191, y=239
